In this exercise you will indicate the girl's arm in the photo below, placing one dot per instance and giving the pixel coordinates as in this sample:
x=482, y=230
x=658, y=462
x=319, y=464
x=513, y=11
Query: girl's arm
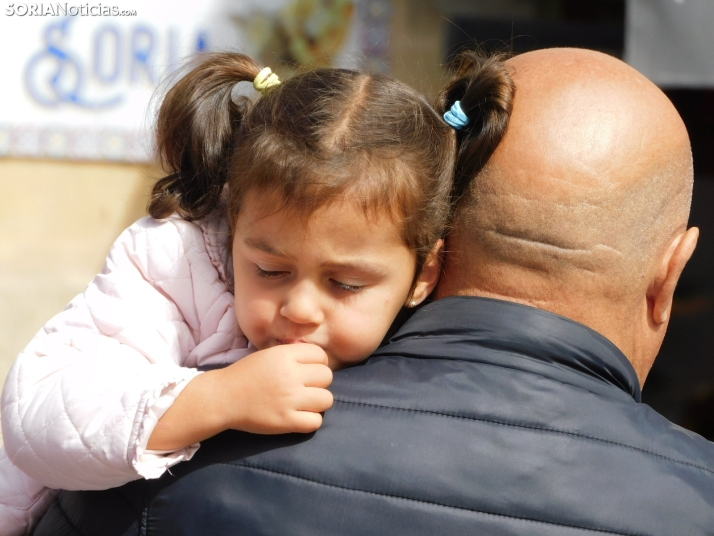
x=81, y=401
x=274, y=391
x=22, y=500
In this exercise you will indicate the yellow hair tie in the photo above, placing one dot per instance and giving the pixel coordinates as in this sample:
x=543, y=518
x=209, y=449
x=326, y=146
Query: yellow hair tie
x=266, y=80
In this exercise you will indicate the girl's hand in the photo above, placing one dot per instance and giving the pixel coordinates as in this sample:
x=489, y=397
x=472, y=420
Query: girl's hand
x=273, y=391
x=278, y=390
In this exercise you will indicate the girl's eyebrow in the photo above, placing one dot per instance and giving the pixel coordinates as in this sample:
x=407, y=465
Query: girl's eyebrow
x=262, y=245
x=357, y=267
x=369, y=268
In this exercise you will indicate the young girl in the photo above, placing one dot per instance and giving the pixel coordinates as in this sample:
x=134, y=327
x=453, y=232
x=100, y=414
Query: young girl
x=322, y=205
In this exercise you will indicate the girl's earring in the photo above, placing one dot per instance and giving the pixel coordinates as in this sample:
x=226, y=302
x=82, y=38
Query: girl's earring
x=412, y=304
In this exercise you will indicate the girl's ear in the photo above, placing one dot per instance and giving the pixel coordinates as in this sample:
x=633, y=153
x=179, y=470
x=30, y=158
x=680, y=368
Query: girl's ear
x=429, y=276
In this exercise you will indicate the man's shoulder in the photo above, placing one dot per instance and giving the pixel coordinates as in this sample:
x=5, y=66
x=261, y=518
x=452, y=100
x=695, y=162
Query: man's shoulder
x=520, y=432
x=520, y=398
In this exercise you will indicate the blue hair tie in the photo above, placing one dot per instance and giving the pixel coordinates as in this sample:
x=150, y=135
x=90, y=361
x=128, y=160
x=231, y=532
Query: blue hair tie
x=456, y=116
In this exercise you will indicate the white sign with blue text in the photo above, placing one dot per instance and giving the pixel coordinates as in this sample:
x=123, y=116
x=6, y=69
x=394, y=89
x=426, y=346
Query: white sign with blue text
x=79, y=78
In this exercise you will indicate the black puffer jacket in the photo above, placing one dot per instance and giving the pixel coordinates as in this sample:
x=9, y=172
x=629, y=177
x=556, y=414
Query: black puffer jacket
x=480, y=417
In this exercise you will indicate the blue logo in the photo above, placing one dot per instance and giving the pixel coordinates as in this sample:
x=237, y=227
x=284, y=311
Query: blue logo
x=56, y=76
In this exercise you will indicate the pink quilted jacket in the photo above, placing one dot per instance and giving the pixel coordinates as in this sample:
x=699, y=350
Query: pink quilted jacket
x=82, y=399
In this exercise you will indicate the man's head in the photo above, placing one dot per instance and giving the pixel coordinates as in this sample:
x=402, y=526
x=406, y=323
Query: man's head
x=582, y=209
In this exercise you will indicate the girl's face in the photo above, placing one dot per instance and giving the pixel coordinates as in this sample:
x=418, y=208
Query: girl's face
x=336, y=278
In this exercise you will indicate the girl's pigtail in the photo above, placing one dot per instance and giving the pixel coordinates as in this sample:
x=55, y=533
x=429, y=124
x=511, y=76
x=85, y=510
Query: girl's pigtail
x=485, y=91
x=196, y=126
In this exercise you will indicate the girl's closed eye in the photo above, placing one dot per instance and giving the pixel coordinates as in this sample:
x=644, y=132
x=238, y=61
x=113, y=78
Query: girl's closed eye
x=269, y=274
x=346, y=287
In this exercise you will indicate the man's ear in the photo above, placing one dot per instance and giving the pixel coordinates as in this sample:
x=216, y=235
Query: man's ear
x=661, y=292
x=429, y=276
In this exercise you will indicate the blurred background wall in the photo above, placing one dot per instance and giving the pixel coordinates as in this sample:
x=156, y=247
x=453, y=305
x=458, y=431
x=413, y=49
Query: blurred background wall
x=76, y=109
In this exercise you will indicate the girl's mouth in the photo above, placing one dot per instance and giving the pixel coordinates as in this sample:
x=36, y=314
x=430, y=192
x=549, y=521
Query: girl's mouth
x=289, y=341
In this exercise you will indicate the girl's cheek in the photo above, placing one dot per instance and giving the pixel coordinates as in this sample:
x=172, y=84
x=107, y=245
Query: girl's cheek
x=369, y=331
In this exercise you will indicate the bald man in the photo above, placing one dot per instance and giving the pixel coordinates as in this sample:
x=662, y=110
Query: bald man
x=511, y=405
x=582, y=210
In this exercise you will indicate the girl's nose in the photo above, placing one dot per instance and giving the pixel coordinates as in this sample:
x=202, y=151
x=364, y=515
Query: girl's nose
x=302, y=305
